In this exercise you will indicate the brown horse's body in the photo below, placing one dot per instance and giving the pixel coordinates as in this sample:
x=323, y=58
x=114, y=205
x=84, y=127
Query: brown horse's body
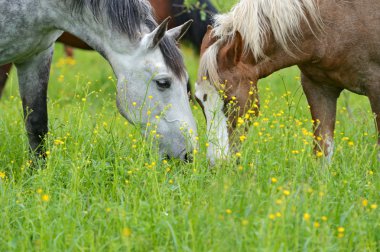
x=348, y=57
x=162, y=9
x=342, y=53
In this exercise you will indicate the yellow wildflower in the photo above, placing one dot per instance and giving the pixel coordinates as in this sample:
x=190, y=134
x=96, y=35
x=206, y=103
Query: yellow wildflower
x=286, y=192
x=364, y=202
x=45, y=197
x=126, y=232
x=319, y=154
x=242, y=138
x=58, y=142
x=240, y=121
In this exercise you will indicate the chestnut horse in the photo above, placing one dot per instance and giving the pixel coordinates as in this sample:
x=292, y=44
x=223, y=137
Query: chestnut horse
x=163, y=9
x=336, y=45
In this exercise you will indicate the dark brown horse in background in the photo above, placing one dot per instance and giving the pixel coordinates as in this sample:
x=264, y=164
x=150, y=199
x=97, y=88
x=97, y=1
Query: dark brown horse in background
x=162, y=9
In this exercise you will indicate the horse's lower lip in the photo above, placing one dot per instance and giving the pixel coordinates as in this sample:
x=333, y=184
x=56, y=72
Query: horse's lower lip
x=186, y=156
x=182, y=154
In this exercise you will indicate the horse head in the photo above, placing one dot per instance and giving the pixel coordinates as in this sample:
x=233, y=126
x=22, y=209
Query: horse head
x=153, y=95
x=226, y=89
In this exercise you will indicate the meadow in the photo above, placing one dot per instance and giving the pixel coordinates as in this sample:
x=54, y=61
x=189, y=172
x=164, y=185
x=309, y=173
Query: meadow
x=103, y=186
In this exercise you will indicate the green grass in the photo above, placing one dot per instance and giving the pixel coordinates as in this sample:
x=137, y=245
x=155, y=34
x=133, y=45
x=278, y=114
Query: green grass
x=105, y=189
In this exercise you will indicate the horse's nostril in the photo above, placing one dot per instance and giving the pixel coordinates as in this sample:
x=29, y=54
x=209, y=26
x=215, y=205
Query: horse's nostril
x=188, y=157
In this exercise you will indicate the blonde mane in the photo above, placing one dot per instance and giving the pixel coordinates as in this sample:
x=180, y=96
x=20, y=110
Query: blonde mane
x=255, y=19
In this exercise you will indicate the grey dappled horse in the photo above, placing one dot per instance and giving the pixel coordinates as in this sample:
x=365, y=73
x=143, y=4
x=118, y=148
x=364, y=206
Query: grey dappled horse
x=144, y=57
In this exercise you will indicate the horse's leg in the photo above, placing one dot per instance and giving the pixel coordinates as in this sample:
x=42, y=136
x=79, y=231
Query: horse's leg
x=4, y=72
x=322, y=100
x=375, y=104
x=69, y=51
x=33, y=77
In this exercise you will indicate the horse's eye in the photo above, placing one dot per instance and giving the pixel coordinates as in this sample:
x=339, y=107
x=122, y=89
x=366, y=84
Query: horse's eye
x=164, y=83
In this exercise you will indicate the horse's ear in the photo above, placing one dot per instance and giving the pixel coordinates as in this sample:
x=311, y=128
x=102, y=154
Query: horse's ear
x=155, y=36
x=178, y=32
x=235, y=49
x=208, y=39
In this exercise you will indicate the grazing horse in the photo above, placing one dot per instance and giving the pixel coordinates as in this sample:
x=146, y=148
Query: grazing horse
x=162, y=10
x=336, y=45
x=144, y=58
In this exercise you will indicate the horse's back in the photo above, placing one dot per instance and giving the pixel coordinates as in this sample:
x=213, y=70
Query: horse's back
x=347, y=51
x=356, y=22
x=369, y=14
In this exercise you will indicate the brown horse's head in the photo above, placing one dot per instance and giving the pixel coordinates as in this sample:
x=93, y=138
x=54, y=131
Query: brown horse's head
x=226, y=89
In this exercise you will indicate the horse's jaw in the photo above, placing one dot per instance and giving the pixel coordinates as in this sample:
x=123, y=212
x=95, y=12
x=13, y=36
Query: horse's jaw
x=217, y=133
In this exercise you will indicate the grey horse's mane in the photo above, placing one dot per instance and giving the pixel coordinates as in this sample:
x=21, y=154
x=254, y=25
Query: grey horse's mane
x=130, y=16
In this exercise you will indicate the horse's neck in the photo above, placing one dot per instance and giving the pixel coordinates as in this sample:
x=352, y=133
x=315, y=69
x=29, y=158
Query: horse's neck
x=278, y=58
x=97, y=34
